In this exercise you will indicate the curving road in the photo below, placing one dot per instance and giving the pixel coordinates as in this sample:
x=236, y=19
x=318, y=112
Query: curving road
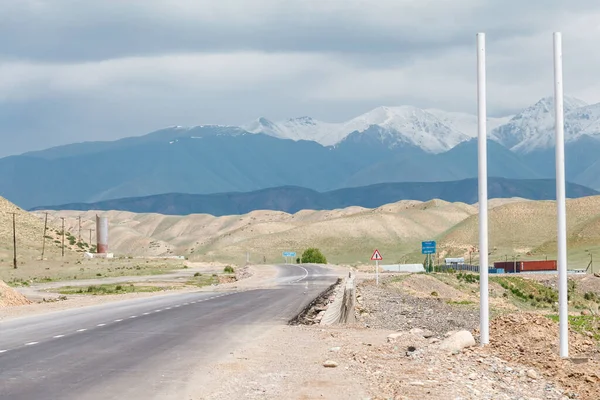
x=143, y=348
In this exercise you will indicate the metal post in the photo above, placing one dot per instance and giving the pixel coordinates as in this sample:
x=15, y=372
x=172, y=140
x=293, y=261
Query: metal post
x=377, y=271
x=483, y=192
x=63, y=236
x=14, y=240
x=561, y=207
x=44, y=240
x=79, y=218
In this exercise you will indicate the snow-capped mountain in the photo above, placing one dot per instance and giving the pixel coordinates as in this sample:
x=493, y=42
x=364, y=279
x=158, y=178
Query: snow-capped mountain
x=396, y=125
x=533, y=128
x=432, y=130
x=466, y=123
x=407, y=125
x=303, y=128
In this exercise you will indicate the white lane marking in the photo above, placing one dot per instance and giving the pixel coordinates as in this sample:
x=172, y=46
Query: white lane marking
x=146, y=313
x=31, y=343
x=81, y=330
x=168, y=308
x=185, y=304
x=101, y=325
x=178, y=305
x=58, y=336
x=133, y=316
x=3, y=351
x=157, y=310
x=118, y=320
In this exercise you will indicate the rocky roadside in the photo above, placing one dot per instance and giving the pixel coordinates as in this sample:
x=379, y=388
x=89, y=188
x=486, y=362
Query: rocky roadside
x=521, y=361
x=387, y=307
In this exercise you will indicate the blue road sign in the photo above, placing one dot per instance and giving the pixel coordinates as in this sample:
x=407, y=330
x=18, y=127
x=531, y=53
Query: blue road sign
x=289, y=254
x=428, y=247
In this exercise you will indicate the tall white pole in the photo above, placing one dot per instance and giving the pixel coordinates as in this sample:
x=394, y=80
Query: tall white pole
x=377, y=271
x=561, y=207
x=484, y=319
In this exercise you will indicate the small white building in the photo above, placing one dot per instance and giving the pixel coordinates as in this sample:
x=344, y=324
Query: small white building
x=455, y=261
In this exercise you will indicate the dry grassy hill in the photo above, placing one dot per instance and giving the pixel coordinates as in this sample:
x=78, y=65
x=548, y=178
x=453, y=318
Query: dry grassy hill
x=517, y=226
x=346, y=235
x=528, y=229
x=30, y=235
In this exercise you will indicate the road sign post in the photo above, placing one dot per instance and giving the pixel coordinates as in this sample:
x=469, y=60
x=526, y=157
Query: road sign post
x=376, y=257
x=428, y=248
x=287, y=254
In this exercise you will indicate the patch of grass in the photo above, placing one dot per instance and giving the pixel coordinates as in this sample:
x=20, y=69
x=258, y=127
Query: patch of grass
x=434, y=294
x=528, y=291
x=460, y=303
x=583, y=324
x=108, y=289
x=203, y=280
x=468, y=278
x=17, y=282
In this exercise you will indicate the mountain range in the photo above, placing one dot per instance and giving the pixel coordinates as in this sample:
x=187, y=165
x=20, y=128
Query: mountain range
x=292, y=199
x=387, y=144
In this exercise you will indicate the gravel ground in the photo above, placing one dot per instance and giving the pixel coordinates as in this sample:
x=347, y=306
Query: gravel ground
x=388, y=306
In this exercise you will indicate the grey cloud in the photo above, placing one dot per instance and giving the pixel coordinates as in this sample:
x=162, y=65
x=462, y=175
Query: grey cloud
x=95, y=30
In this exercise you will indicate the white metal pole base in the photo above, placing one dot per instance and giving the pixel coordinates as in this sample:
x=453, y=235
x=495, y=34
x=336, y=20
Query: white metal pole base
x=561, y=208
x=484, y=319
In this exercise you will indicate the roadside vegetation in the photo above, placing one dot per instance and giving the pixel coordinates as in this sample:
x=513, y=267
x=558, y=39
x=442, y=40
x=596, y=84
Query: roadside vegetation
x=588, y=325
x=201, y=280
x=313, y=256
x=107, y=289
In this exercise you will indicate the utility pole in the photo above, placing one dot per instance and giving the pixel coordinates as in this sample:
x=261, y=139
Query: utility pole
x=44, y=241
x=90, y=243
x=14, y=240
x=63, y=236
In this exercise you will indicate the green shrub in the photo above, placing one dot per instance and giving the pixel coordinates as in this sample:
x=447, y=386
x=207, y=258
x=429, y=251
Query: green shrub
x=313, y=256
x=228, y=269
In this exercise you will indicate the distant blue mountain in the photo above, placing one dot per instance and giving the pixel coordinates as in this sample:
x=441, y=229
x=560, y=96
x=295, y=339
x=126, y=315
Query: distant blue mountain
x=292, y=199
x=220, y=159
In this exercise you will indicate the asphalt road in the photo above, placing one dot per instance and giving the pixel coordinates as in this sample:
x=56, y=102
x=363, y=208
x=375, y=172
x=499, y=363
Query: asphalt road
x=143, y=348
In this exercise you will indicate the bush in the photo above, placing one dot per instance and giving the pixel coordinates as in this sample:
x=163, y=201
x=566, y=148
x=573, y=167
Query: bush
x=197, y=274
x=228, y=269
x=298, y=260
x=313, y=256
x=434, y=294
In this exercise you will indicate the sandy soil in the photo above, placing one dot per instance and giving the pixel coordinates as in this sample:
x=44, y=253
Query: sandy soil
x=10, y=297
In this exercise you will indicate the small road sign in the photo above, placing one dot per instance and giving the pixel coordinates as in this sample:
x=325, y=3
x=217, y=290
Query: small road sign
x=428, y=247
x=289, y=254
x=376, y=256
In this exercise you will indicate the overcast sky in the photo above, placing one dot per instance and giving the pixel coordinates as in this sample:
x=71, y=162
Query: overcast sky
x=73, y=70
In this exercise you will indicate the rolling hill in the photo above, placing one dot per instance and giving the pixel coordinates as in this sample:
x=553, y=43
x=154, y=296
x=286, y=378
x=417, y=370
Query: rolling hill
x=526, y=228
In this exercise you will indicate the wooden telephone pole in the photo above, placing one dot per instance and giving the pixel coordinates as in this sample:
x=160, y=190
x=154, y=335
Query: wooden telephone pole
x=44, y=241
x=14, y=240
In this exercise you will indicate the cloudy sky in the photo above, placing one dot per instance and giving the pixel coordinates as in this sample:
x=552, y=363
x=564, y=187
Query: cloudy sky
x=73, y=70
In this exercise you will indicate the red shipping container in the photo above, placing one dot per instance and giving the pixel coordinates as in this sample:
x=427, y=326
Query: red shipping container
x=526, y=266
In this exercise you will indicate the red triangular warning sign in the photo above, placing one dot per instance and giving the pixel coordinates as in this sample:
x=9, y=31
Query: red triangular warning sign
x=376, y=256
